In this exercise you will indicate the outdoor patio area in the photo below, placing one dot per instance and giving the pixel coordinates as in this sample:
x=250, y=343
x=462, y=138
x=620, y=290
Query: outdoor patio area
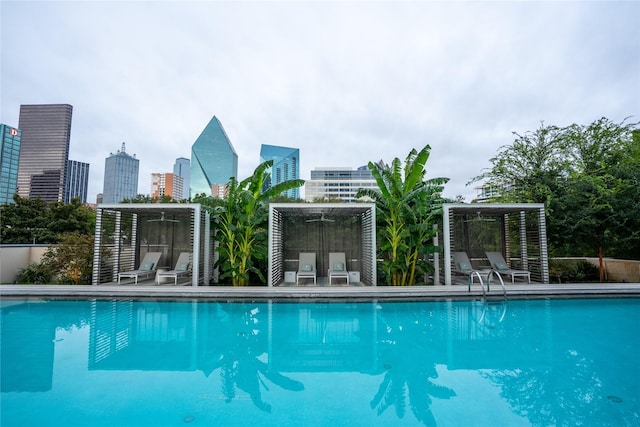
x=148, y=243
x=515, y=234
x=318, y=230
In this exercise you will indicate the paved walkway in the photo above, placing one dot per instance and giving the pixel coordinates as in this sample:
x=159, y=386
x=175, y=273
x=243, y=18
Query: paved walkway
x=319, y=292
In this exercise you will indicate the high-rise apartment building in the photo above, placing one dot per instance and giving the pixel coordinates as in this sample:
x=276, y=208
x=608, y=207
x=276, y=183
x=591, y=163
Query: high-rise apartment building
x=182, y=168
x=286, y=163
x=44, y=150
x=120, y=177
x=77, y=181
x=340, y=183
x=167, y=184
x=9, y=160
x=213, y=160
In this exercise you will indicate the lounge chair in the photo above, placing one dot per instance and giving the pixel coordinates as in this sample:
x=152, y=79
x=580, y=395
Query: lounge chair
x=463, y=266
x=182, y=268
x=499, y=264
x=148, y=267
x=307, y=267
x=337, y=267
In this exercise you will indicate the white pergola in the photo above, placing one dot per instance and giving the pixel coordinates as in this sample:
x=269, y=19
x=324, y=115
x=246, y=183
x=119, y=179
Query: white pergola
x=322, y=228
x=124, y=231
x=532, y=234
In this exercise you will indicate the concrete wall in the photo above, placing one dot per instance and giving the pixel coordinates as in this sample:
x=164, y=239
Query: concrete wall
x=619, y=270
x=13, y=258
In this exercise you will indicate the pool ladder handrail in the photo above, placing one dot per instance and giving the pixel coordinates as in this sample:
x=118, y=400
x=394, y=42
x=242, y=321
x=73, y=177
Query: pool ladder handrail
x=481, y=282
x=470, y=281
x=491, y=273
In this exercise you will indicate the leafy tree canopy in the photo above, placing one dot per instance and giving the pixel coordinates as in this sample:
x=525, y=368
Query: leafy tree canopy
x=587, y=176
x=36, y=221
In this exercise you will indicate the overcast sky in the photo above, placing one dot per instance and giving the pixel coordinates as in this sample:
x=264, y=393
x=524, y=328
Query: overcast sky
x=345, y=82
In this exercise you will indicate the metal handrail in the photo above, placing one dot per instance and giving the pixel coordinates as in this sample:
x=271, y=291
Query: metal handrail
x=491, y=273
x=477, y=273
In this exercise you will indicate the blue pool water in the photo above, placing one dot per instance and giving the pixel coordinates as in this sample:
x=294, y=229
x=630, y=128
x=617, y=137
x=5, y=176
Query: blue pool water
x=449, y=363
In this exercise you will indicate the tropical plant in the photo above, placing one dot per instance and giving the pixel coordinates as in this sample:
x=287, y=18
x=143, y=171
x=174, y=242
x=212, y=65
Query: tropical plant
x=407, y=206
x=242, y=224
x=37, y=272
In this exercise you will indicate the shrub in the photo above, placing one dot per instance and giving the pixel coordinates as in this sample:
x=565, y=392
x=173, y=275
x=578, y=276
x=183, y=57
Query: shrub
x=37, y=273
x=572, y=271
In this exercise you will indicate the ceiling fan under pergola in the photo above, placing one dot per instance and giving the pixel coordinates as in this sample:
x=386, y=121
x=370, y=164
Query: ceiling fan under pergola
x=321, y=219
x=162, y=219
x=480, y=218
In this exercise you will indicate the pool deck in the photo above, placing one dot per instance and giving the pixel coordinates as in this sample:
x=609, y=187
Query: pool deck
x=438, y=292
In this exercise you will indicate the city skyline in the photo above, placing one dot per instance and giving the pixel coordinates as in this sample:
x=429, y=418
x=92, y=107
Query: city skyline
x=388, y=77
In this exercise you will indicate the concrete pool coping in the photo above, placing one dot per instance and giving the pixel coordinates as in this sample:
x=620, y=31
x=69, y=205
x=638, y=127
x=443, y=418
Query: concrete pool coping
x=579, y=290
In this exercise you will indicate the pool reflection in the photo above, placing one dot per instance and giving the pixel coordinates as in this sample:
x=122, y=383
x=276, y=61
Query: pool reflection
x=543, y=370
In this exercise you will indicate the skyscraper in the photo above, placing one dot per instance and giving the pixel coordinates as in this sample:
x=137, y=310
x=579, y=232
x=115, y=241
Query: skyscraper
x=338, y=183
x=77, y=181
x=286, y=163
x=182, y=167
x=9, y=159
x=213, y=159
x=44, y=150
x=120, y=177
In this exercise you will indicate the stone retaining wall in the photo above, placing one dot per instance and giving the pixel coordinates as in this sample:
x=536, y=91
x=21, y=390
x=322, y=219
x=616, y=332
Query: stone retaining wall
x=619, y=270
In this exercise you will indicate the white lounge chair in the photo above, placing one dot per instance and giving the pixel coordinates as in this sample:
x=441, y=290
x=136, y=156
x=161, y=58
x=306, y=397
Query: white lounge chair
x=500, y=265
x=148, y=267
x=307, y=267
x=337, y=267
x=182, y=268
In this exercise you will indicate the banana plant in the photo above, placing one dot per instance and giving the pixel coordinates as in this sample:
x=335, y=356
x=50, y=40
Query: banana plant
x=407, y=207
x=242, y=223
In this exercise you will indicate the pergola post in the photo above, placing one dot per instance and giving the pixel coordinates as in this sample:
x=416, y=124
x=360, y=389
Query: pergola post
x=524, y=257
x=97, y=242
x=446, y=230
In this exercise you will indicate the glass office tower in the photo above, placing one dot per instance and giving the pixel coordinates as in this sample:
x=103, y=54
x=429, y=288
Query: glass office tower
x=213, y=161
x=9, y=160
x=182, y=168
x=286, y=163
x=77, y=181
x=44, y=150
x=120, y=177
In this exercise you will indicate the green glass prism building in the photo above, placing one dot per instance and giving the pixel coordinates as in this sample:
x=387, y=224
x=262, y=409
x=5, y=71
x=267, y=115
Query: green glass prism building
x=213, y=161
x=9, y=160
x=285, y=167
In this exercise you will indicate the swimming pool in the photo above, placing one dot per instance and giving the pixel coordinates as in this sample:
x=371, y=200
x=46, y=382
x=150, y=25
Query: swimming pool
x=445, y=363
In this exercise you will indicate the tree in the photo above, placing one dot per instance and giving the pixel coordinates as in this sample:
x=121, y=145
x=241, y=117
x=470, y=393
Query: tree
x=598, y=210
x=587, y=176
x=36, y=221
x=407, y=208
x=529, y=170
x=242, y=224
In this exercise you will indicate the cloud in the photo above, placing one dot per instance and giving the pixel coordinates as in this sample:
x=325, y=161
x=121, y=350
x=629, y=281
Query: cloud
x=346, y=82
